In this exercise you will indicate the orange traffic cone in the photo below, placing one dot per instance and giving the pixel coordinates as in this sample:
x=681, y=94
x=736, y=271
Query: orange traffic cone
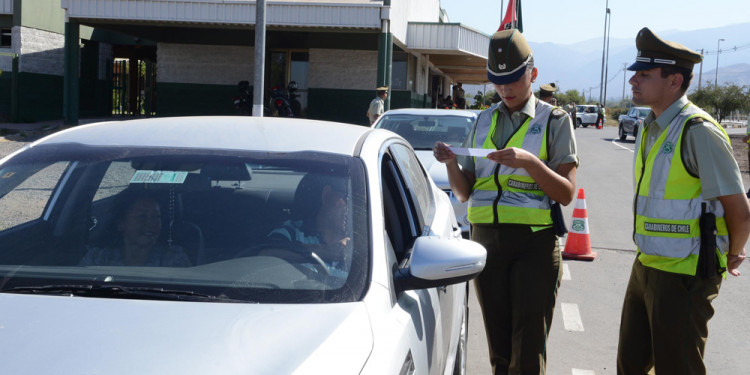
x=578, y=244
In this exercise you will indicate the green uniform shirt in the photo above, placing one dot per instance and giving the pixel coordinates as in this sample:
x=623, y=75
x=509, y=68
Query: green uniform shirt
x=562, y=143
x=716, y=167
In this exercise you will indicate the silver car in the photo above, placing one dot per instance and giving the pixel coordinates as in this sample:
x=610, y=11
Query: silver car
x=422, y=128
x=229, y=245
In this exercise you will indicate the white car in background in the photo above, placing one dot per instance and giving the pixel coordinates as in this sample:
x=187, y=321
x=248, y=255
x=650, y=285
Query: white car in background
x=422, y=128
x=394, y=301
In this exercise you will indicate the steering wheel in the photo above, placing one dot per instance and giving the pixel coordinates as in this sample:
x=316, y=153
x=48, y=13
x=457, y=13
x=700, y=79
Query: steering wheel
x=294, y=253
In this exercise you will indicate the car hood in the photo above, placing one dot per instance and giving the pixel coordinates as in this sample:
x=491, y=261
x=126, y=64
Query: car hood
x=75, y=335
x=437, y=170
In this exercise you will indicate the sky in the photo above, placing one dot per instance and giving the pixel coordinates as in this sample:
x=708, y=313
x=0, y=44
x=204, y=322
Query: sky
x=568, y=22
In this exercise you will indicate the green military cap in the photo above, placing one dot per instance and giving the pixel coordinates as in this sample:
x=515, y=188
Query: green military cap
x=508, y=56
x=654, y=52
x=547, y=90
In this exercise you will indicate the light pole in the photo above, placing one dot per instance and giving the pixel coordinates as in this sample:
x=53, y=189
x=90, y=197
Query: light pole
x=604, y=47
x=624, y=76
x=718, y=51
x=606, y=66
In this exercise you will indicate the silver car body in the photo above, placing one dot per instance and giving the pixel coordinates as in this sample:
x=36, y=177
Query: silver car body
x=414, y=318
x=405, y=123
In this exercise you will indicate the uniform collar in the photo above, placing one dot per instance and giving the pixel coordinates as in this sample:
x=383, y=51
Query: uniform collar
x=529, y=109
x=666, y=118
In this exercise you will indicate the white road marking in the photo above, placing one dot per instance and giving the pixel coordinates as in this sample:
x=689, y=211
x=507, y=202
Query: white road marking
x=571, y=317
x=621, y=146
x=566, y=272
x=577, y=371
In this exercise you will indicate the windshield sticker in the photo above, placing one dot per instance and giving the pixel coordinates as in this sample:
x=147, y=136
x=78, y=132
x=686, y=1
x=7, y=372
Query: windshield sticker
x=158, y=177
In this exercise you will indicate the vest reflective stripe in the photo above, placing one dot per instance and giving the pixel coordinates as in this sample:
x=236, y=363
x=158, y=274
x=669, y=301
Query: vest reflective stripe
x=668, y=203
x=510, y=194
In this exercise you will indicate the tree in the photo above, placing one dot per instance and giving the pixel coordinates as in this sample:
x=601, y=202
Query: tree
x=720, y=101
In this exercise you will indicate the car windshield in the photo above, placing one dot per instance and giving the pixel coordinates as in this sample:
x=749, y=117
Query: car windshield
x=217, y=225
x=422, y=131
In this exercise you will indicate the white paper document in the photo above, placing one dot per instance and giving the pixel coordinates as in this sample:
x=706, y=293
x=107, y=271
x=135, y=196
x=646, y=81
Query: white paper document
x=480, y=152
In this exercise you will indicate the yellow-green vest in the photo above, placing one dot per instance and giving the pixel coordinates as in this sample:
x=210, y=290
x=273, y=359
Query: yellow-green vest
x=668, y=202
x=502, y=194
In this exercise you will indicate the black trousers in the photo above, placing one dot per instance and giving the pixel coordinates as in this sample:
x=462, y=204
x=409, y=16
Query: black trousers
x=517, y=291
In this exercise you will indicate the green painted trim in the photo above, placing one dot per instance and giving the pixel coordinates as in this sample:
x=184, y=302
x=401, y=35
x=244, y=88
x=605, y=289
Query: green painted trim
x=189, y=99
x=71, y=86
x=37, y=98
x=6, y=21
x=5, y=93
x=409, y=99
x=348, y=106
x=41, y=14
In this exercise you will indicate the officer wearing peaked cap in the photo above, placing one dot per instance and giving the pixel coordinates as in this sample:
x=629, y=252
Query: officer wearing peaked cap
x=511, y=194
x=546, y=93
x=692, y=217
x=377, y=105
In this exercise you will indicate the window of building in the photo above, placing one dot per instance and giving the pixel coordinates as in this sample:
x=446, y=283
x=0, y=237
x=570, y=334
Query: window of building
x=399, y=70
x=5, y=38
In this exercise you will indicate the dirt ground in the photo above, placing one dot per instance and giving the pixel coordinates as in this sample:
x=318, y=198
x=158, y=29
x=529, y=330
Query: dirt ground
x=740, y=154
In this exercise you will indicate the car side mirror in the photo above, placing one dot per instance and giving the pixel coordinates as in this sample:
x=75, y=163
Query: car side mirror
x=438, y=262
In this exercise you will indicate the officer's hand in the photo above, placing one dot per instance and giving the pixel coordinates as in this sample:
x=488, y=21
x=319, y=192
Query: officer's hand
x=442, y=152
x=733, y=263
x=512, y=157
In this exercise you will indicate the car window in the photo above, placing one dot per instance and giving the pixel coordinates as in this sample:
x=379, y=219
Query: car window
x=422, y=131
x=643, y=112
x=245, y=226
x=26, y=191
x=416, y=182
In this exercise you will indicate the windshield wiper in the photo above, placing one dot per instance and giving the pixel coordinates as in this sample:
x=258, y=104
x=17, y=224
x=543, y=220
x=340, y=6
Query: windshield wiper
x=118, y=291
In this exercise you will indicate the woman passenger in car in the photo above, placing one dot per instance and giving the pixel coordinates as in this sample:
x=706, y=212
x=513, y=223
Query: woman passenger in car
x=139, y=225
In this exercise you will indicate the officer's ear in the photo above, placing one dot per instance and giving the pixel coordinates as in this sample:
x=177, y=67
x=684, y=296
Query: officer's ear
x=534, y=74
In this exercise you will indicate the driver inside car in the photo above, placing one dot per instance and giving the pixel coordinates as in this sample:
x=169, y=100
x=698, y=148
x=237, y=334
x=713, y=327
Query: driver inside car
x=319, y=221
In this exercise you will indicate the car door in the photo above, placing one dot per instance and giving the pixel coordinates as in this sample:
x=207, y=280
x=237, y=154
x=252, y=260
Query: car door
x=409, y=187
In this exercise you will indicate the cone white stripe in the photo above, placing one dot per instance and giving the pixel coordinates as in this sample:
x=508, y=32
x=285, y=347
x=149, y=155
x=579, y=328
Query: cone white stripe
x=580, y=204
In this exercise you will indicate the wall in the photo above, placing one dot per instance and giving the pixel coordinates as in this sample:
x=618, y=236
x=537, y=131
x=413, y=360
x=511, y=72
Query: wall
x=343, y=69
x=200, y=79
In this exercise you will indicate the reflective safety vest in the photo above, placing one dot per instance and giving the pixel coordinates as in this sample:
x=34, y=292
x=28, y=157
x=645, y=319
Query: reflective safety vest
x=668, y=203
x=502, y=194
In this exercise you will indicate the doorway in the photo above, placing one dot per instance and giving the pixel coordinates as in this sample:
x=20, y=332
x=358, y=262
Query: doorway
x=283, y=67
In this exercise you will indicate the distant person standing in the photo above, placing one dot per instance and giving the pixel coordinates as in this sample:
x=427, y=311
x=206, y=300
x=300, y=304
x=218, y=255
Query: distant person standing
x=692, y=218
x=747, y=139
x=377, y=105
x=459, y=96
x=599, y=115
x=571, y=109
x=547, y=92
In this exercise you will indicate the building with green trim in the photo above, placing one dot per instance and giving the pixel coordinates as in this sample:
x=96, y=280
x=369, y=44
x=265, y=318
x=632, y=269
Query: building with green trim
x=168, y=57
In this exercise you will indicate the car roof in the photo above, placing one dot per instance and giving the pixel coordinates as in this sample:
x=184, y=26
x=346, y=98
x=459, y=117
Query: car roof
x=219, y=132
x=431, y=112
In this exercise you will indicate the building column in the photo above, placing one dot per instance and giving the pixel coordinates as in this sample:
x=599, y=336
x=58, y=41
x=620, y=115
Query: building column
x=71, y=80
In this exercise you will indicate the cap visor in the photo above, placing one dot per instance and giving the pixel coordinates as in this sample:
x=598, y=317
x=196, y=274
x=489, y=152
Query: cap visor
x=639, y=65
x=506, y=79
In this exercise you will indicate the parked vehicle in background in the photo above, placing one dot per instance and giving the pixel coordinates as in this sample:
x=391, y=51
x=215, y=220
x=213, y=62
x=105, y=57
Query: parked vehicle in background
x=422, y=128
x=629, y=123
x=586, y=115
x=305, y=247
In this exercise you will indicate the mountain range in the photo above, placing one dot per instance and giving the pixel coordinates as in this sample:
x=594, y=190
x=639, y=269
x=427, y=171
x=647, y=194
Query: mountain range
x=579, y=66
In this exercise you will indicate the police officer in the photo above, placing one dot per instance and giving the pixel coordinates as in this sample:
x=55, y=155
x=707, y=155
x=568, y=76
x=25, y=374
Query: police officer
x=547, y=92
x=692, y=218
x=533, y=161
x=377, y=105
